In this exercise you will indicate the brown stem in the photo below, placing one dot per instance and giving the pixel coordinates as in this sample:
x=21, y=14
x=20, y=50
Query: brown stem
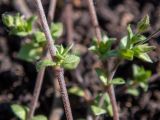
x=94, y=19
x=36, y=93
x=69, y=22
x=52, y=49
x=112, y=97
x=110, y=88
x=40, y=76
x=46, y=29
x=111, y=92
x=51, y=10
x=60, y=76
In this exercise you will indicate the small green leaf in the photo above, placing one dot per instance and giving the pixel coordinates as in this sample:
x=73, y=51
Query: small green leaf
x=137, y=38
x=30, y=22
x=129, y=37
x=19, y=111
x=97, y=110
x=117, y=81
x=39, y=117
x=56, y=30
x=144, y=57
x=133, y=91
x=76, y=91
x=144, y=85
x=123, y=42
x=39, y=37
x=21, y=33
x=44, y=63
x=71, y=61
x=126, y=54
x=143, y=24
x=142, y=48
x=102, y=76
x=140, y=74
x=29, y=52
x=8, y=20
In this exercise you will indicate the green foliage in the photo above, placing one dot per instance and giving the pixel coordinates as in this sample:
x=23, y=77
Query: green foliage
x=39, y=117
x=144, y=24
x=140, y=79
x=62, y=58
x=106, y=107
x=103, y=48
x=75, y=90
x=18, y=25
x=45, y=63
x=117, y=81
x=133, y=45
x=56, y=30
x=21, y=112
x=30, y=52
x=102, y=76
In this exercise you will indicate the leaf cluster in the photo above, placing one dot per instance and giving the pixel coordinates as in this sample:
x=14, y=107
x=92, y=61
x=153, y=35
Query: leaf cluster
x=21, y=113
x=32, y=51
x=132, y=45
x=140, y=79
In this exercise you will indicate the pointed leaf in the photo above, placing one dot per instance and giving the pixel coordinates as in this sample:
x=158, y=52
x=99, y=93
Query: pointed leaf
x=117, y=81
x=143, y=24
x=101, y=76
x=39, y=117
x=126, y=54
x=144, y=57
x=71, y=61
x=97, y=110
x=19, y=111
x=44, y=63
x=76, y=91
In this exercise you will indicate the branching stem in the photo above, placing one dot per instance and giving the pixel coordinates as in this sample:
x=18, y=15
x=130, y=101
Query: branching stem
x=110, y=88
x=52, y=49
x=94, y=19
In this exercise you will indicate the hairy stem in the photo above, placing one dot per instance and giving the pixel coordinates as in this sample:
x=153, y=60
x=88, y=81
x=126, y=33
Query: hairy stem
x=69, y=22
x=60, y=76
x=52, y=49
x=94, y=19
x=51, y=10
x=112, y=97
x=46, y=29
x=40, y=75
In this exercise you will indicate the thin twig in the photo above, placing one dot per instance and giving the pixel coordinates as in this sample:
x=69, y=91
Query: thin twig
x=110, y=88
x=51, y=11
x=94, y=19
x=151, y=36
x=36, y=93
x=40, y=76
x=112, y=97
x=52, y=49
x=111, y=92
x=46, y=29
x=60, y=76
x=69, y=21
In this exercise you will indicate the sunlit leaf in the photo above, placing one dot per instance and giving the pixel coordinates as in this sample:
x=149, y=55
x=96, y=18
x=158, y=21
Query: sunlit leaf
x=76, y=91
x=19, y=111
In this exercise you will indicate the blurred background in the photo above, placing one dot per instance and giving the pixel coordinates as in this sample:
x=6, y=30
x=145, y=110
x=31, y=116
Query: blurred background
x=17, y=77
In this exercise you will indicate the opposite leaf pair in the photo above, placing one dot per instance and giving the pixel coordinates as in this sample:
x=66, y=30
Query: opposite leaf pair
x=62, y=59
